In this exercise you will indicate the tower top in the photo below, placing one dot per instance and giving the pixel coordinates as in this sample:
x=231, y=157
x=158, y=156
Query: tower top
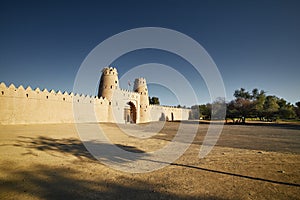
x=140, y=81
x=140, y=85
x=109, y=71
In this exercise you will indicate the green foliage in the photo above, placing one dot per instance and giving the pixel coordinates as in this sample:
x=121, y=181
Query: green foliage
x=297, y=109
x=247, y=104
x=271, y=108
x=259, y=99
x=286, y=110
x=194, y=112
x=218, y=109
x=154, y=100
x=242, y=93
x=179, y=106
x=257, y=105
x=205, y=111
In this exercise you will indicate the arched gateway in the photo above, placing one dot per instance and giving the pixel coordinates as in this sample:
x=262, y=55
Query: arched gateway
x=130, y=113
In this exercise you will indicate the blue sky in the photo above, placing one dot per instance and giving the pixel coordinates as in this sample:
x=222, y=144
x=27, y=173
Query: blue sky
x=253, y=43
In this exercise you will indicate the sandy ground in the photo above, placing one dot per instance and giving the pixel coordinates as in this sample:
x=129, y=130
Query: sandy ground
x=255, y=161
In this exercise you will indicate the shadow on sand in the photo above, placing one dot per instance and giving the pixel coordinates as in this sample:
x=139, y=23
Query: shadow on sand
x=76, y=148
x=43, y=182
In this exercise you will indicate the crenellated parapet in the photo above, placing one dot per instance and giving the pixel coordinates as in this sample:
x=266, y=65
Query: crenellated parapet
x=30, y=106
x=153, y=106
x=45, y=95
x=109, y=71
x=129, y=94
x=140, y=81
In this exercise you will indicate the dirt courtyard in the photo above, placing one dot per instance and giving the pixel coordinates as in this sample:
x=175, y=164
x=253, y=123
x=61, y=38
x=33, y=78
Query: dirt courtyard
x=254, y=161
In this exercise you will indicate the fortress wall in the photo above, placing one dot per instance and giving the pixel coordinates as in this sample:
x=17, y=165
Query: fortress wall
x=89, y=109
x=162, y=113
x=22, y=106
x=101, y=106
x=157, y=113
x=27, y=106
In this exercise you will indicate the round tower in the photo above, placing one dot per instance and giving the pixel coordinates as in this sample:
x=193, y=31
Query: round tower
x=140, y=86
x=109, y=82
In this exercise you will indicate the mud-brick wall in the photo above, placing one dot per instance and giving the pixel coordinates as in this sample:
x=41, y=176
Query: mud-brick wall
x=27, y=106
x=164, y=113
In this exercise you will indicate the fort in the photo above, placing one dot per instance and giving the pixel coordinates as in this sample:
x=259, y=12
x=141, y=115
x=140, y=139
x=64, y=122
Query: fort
x=112, y=104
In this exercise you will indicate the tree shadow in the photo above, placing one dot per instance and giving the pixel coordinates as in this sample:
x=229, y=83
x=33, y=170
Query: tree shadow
x=71, y=146
x=44, y=182
x=130, y=148
x=230, y=174
x=88, y=151
x=237, y=175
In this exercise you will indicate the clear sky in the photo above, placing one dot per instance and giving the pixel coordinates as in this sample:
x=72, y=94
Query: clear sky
x=253, y=43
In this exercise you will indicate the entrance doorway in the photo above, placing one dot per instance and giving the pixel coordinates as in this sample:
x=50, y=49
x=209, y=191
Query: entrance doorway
x=130, y=113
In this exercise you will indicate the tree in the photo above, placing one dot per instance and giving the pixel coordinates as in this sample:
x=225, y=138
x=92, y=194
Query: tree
x=242, y=93
x=271, y=107
x=154, y=100
x=205, y=111
x=200, y=111
x=243, y=106
x=297, y=109
x=258, y=100
x=255, y=93
x=218, y=109
x=286, y=110
x=257, y=104
x=195, y=114
x=231, y=111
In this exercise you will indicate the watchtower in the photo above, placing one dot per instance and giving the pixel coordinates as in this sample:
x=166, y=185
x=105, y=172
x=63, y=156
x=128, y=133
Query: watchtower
x=109, y=82
x=140, y=86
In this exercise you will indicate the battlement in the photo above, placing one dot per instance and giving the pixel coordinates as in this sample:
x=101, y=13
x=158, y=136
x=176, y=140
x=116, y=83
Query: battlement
x=166, y=107
x=52, y=95
x=129, y=94
x=140, y=81
x=109, y=71
x=161, y=106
